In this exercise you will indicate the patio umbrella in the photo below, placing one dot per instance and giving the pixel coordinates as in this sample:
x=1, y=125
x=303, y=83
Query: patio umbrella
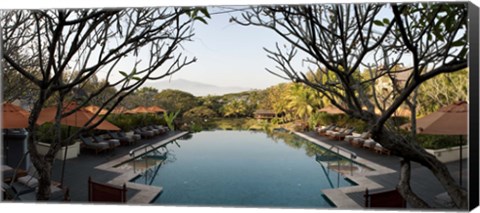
x=156, y=109
x=93, y=109
x=119, y=110
x=76, y=119
x=14, y=117
x=331, y=109
x=140, y=109
x=448, y=120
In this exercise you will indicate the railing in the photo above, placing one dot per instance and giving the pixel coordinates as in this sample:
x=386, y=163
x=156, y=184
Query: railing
x=144, y=148
x=353, y=155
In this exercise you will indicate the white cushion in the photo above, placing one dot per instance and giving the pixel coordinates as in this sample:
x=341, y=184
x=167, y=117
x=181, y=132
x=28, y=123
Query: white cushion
x=28, y=180
x=6, y=168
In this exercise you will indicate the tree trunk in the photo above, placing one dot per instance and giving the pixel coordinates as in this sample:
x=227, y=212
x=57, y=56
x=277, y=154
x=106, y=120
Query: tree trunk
x=42, y=164
x=415, y=153
x=404, y=187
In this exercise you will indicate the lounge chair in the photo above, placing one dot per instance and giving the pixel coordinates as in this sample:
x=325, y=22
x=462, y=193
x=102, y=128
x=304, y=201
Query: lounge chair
x=323, y=131
x=124, y=140
x=384, y=199
x=131, y=135
x=341, y=135
x=337, y=130
x=148, y=128
x=90, y=144
x=369, y=144
x=8, y=173
x=381, y=150
x=104, y=192
x=144, y=134
x=111, y=142
x=364, y=135
x=25, y=189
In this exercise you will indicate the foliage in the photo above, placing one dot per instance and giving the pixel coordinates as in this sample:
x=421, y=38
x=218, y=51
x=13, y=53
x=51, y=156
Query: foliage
x=45, y=133
x=200, y=112
x=169, y=117
x=235, y=108
x=439, y=141
x=176, y=100
x=441, y=91
x=128, y=122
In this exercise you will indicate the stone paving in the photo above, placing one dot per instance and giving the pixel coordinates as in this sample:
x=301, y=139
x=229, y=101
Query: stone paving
x=100, y=168
x=89, y=164
x=423, y=182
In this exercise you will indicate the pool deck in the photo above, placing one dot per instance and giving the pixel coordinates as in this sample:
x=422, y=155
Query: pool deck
x=101, y=168
x=385, y=176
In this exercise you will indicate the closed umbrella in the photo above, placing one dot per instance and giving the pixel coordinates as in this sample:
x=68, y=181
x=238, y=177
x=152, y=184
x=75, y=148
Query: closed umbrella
x=448, y=120
x=14, y=117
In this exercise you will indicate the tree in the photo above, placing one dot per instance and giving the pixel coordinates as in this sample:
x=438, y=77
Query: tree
x=303, y=101
x=235, y=108
x=176, y=100
x=146, y=95
x=90, y=41
x=339, y=39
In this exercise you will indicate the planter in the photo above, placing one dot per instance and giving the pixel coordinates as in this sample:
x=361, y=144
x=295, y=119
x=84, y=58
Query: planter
x=72, y=152
x=449, y=154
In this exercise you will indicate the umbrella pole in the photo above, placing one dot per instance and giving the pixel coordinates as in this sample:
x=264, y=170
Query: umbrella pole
x=461, y=151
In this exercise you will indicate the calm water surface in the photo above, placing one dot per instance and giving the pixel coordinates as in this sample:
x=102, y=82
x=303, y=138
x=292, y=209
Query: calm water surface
x=243, y=168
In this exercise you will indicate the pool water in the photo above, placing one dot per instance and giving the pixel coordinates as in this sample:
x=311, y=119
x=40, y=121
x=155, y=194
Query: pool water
x=244, y=168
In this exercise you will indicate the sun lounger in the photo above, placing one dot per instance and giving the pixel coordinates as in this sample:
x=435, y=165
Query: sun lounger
x=369, y=144
x=124, y=140
x=330, y=132
x=131, y=135
x=111, y=142
x=104, y=192
x=90, y=144
x=144, y=134
x=341, y=135
x=381, y=150
x=364, y=136
x=323, y=131
x=25, y=189
x=148, y=128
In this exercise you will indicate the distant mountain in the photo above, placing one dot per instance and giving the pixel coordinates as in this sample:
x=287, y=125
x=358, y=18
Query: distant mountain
x=195, y=88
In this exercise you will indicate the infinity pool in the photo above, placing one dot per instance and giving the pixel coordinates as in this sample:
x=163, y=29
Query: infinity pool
x=246, y=168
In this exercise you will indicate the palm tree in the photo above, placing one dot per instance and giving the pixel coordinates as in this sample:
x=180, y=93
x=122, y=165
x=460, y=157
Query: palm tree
x=302, y=101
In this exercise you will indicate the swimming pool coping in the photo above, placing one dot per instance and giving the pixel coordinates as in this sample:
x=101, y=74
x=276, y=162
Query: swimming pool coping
x=146, y=193
x=339, y=196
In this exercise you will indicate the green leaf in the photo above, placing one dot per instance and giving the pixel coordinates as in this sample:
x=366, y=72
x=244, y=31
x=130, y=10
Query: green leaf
x=136, y=78
x=386, y=21
x=123, y=73
x=378, y=23
x=458, y=43
x=205, y=12
x=200, y=19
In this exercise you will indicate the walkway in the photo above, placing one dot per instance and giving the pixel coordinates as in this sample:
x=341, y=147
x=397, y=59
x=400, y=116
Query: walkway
x=78, y=170
x=423, y=182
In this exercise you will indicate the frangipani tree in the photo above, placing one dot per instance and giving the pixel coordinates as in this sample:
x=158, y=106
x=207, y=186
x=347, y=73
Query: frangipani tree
x=88, y=42
x=343, y=39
